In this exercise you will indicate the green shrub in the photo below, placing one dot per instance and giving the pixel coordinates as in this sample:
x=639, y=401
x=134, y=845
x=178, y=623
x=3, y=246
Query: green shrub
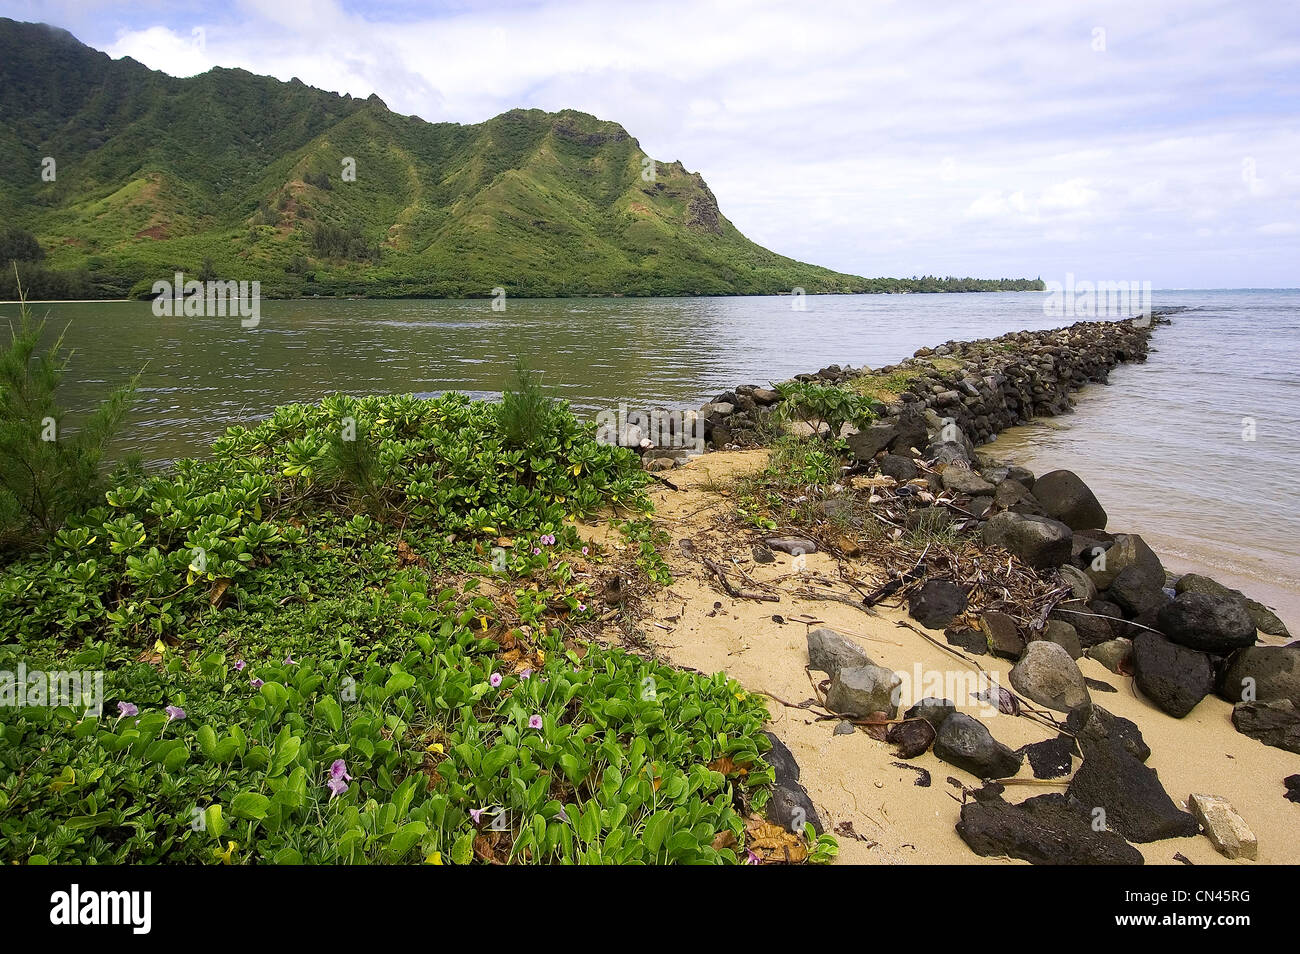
x=818, y=404
x=46, y=473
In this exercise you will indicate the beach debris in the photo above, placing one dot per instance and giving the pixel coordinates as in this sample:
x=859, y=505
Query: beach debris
x=966, y=742
x=1047, y=675
x=1227, y=830
x=1174, y=678
x=912, y=736
x=1135, y=803
x=1044, y=830
x=923, y=779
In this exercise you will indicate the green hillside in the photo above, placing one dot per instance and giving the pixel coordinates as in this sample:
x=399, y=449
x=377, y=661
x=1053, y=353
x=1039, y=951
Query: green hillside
x=231, y=175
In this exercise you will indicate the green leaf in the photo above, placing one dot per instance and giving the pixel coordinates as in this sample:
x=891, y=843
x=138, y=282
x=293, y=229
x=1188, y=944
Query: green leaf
x=327, y=708
x=463, y=850
x=250, y=805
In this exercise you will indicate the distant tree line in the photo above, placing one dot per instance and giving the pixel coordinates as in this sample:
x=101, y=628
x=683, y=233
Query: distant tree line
x=933, y=283
x=20, y=264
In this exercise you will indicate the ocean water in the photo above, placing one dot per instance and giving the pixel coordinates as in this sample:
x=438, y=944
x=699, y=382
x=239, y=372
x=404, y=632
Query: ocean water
x=1197, y=449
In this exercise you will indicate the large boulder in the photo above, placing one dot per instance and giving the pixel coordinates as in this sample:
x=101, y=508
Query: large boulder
x=1043, y=830
x=1065, y=497
x=936, y=602
x=966, y=742
x=871, y=440
x=911, y=430
x=1064, y=635
x=829, y=652
x=1104, y=560
x=1135, y=803
x=1047, y=675
x=1003, y=634
x=858, y=691
x=1135, y=592
x=963, y=480
x=1212, y=624
x=1261, y=673
x=1097, y=726
x=1265, y=620
x=1115, y=654
x=1039, y=542
x=1173, y=677
x=1273, y=723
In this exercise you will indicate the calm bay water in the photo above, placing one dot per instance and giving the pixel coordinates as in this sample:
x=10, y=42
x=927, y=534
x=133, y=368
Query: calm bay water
x=1162, y=446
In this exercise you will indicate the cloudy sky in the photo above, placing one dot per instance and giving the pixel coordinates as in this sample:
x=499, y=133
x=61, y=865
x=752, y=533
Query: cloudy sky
x=1155, y=141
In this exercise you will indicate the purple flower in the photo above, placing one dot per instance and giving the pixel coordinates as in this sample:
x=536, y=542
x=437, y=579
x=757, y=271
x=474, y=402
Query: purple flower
x=536, y=551
x=495, y=679
x=526, y=674
x=548, y=539
x=534, y=722
x=339, y=770
x=125, y=709
x=751, y=858
x=476, y=815
x=257, y=683
x=582, y=607
x=337, y=787
x=239, y=665
x=584, y=551
x=561, y=816
x=290, y=661
x=174, y=713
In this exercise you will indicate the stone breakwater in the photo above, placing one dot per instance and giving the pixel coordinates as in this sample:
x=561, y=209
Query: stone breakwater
x=983, y=386
x=1108, y=595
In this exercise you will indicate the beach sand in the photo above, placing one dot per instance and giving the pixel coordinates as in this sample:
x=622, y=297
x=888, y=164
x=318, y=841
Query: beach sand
x=851, y=778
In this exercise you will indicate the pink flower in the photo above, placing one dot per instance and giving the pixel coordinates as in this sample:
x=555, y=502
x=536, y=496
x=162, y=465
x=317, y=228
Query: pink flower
x=582, y=607
x=476, y=815
x=494, y=680
x=526, y=674
x=290, y=661
x=337, y=787
x=126, y=709
x=584, y=551
x=751, y=858
x=534, y=722
x=239, y=665
x=174, y=713
x=339, y=770
x=536, y=551
x=257, y=683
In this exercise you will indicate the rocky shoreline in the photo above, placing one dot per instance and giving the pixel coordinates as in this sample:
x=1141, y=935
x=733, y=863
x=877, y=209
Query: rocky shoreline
x=1180, y=638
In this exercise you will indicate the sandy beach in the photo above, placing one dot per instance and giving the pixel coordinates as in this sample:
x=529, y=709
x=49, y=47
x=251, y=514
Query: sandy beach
x=853, y=779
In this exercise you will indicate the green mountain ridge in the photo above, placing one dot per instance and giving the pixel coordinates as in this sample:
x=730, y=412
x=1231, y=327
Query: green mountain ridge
x=236, y=176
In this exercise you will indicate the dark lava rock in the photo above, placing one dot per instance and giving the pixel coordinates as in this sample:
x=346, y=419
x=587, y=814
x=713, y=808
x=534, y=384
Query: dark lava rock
x=967, y=638
x=911, y=430
x=1039, y=542
x=1265, y=620
x=936, y=603
x=932, y=710
x=963, y=480
x=1292, y=783
x=901, y=468
x=1044, y=830
x=912, y=738
x=791, y=808
x=1212, y=624
x=1135, y=802
x=1012, y=495
x=829, y=651
x=1273, y=723
x=1091, y=628
x=1097, y=726
x=1065, y=497
x=965, y=742
x=871, y=440
x=1004, y=639
x=1135, y=592
x=1173, y=677
x=782, y=760
x=1051, y=757
x=1262, y=674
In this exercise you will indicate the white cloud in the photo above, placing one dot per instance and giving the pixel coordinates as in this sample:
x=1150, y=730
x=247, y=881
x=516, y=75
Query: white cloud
x=985, y=130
